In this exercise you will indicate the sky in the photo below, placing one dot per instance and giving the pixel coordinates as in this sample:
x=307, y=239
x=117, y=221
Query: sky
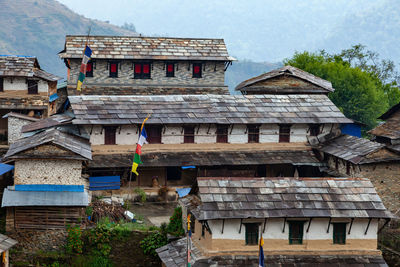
x=259, y=30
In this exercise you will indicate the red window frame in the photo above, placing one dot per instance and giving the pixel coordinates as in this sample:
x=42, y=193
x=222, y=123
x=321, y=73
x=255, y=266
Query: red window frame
x=142, y=70
x=170, y=70
x=154, y=134
x=89, y=69
x=114, y=69
x=197, y=70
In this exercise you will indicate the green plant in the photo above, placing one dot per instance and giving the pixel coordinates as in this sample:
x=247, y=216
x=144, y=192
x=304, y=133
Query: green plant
x=89, y=211
x=74, y=240
x=153, y=241
x=175, y=223
x=141, y=194
x=99, y=238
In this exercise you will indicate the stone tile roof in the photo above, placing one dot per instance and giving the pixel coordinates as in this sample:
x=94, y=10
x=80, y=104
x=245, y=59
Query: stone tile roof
x=390, y=112
x=389, y=129
x=24, y=67
x=72, y=143
x=223, y=109
x=290, y=71
x=20, y=116
x=6, y=243
x=151, y=48
x=55, y=120
x=357, y=150
x=174, y=255
x=204, y=158
x=288, y=197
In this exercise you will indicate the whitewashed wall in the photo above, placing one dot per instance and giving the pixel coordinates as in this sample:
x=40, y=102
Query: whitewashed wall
x=269, y=133
x=172, y=134
x=205, y=134
x=273, y=229
x=20, y=84
x=126, y=135
x=238, y=135
x=43, y=86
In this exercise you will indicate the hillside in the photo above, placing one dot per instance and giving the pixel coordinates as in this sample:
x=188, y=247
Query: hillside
x=38, y=28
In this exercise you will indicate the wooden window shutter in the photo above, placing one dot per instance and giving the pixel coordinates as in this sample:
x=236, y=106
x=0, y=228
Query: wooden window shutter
x=32, y=87
x=1, y=84
x=110, y=135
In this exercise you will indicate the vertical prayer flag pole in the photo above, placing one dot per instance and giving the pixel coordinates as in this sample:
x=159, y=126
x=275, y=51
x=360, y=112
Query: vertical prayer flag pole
x=261, y=252
x=189, y=238
x=87, y=53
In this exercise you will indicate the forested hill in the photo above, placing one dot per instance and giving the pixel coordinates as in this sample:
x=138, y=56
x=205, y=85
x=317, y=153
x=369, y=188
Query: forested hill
x=38, y=28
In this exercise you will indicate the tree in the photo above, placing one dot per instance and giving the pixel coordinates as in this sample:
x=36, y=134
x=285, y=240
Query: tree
x=365, y=86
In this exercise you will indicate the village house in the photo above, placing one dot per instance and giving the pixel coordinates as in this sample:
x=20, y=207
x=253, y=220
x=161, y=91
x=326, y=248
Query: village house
x=137, y=65
x=26, y=89
x=49, y=191
x=324, y=221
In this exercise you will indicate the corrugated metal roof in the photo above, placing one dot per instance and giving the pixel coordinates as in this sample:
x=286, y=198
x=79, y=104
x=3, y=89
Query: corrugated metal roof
x=6, y=243
x=222, y=109
x=13, y=198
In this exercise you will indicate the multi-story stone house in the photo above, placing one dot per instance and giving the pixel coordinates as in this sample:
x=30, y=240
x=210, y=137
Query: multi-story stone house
x=195, y=128
x=123, y=65
x=303, y=221
x=26, y=89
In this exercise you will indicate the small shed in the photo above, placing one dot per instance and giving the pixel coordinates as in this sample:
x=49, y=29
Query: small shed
x=5, y=244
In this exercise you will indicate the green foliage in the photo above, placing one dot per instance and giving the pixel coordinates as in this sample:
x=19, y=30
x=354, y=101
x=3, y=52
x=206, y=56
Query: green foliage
x=90, y=261
x=89, y=210
x=141, y=193
x=364, y=89
x=74, y=240
x=155, y=240
x=99, y=238
x=175, y=223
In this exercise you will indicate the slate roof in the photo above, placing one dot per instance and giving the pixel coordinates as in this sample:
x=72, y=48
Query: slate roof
x=389, y=129
x=24, y=67
x=20, y=116
x=205, y=158
x=77, y=145
x=356, y=150
x=290, y=71
x=174, y=255
x=54, y=120
x=223, y=109
x=390, y=112
x=232, y=197
x=13, y=198
x=151, y=48
x=6, y=243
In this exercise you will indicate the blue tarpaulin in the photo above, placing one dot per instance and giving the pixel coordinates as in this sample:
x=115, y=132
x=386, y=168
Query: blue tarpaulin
x=53, y=97
x=188, y=167
x=49, y=188
x=4, y=168
x=104, y=183
x=183, y=191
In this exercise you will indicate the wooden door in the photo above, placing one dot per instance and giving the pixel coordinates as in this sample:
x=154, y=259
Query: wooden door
x=153, y=134
x=284, y=133
x=222, y=133
x=109, y=135
x=188, y=136
x=32, y=87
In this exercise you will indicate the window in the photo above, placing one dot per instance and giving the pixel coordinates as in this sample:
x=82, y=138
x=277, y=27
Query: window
x=284, y=133
x=153, y=134
x=113, y=69
x=188, y=135
x=339, y=233
x=296, y=232
x=174, y=173
x=109, y=135
x=222, y=133
x=1, y=84
x=142, y=71
x=170, y=70
x=348, y=166
x=253, y=132
x=32, y=87
x=314, y=129
x=197, y=70
x=251, y=233
x=89, y=69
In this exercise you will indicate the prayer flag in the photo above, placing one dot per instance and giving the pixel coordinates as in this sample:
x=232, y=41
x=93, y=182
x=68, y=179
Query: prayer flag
x=82, y=72
x=142, y=140
x=261, y=254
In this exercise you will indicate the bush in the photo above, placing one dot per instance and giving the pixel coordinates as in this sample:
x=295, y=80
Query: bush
x=141, y=193
x=155, y=240
x=74, y=240
x=175, y=223
x=99, y=238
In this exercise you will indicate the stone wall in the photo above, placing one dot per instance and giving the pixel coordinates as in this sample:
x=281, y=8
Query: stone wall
x=212, y=80
x=48, y=171
x=14, y=128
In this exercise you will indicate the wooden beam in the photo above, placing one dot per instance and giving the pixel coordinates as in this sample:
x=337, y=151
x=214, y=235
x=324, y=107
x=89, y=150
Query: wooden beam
x=351, y=224
x=309, y=223
x=265, y=223
x=329, y=224
x=383, y=226
x=284, y=225
x=366, y=230
x=240, y=228
x=223, y=224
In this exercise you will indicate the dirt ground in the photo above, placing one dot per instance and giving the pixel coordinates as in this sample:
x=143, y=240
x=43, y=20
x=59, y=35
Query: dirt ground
x=153, y=213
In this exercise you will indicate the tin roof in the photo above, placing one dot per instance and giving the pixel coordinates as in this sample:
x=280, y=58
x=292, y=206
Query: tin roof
x=77, y=145
x=222, y=109
x=6, y=243
x=151, y=48
x=357, y=150
x=174, y=254
x=13, y=198
x=290, y=71
x=288, y=197
x=24, y=67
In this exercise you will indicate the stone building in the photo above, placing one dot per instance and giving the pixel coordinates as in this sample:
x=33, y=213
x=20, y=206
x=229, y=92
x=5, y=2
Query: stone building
x=136, y=65
x=49, y=191
x=25, y=88
x=15, y=122
x=324, y=221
